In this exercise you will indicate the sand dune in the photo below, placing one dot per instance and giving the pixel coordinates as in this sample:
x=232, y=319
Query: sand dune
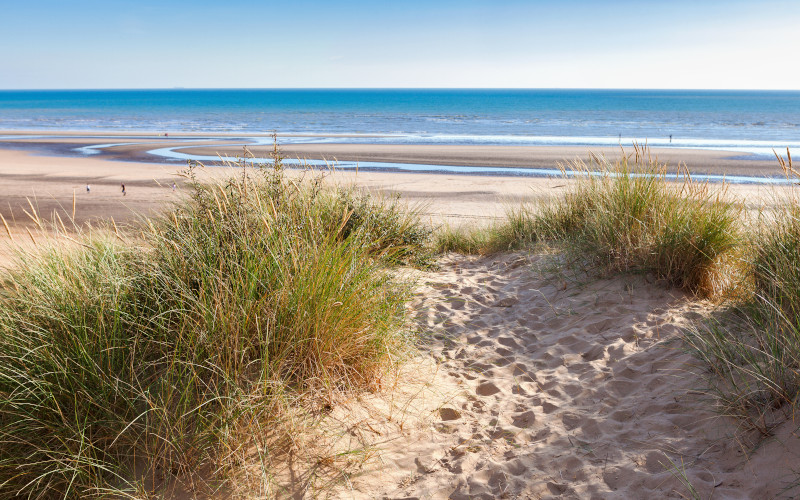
x=530, y=384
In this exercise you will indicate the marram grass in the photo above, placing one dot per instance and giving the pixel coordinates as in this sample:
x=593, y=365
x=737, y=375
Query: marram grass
x=627, y=215
x=752, y=350
x=511, y=233
x=630, y=215
x=124, y=366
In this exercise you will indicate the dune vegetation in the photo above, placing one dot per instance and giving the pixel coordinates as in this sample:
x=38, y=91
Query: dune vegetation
x=182, y=349
x=185, y=348
x=626, y=216
x=751, y=348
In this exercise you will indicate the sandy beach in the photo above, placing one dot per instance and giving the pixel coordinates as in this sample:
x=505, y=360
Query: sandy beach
x=513, y=250
x=50, y=182
x=538, y=384
x=47, y=171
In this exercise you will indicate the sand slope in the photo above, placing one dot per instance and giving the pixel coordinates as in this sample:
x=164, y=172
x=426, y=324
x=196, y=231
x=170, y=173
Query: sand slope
x=573, y=388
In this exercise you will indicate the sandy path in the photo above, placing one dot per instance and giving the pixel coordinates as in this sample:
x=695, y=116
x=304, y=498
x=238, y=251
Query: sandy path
x=568, y=389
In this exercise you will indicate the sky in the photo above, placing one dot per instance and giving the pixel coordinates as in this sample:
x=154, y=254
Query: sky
x=697, y=44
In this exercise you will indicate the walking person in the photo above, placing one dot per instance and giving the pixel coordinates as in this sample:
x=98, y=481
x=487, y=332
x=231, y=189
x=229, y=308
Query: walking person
x=123, y=189
x=88, y=188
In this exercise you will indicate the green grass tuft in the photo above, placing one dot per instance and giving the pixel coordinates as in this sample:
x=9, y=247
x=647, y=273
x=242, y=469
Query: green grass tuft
x=629, y=215
x=626, y=216
x=126, y=366
x=753, y=350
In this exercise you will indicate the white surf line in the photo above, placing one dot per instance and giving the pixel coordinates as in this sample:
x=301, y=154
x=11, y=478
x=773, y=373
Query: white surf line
x=172, y=153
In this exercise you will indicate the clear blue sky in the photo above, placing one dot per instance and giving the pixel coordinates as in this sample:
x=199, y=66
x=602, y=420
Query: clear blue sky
x=429, y=43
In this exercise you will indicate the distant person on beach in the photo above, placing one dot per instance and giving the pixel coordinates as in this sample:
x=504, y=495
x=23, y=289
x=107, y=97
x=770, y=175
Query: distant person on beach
x=670, y=138
x=123, y=189
x=174, y=187
x=88, y=188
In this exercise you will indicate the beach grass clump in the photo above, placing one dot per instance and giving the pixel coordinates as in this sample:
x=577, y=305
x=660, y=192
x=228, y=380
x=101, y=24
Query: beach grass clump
x=473, y=240
x=751, y=357
x=753, y=350
x=179, y=356
x=776, y=258
x=512, y=232
x=628, y=215
x=387, y=226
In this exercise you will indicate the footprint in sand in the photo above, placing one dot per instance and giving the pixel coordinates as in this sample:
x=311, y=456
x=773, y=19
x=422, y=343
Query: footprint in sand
x=556, y=488
x=522, y=375
x=524, y=420
x=571, y=420
x=548, y=407
x=622, y=415
x=523, y=388
x=487, y=389
x=507, y=301
x=594, y=353
x=503, y=352
x=599, y=326
x=508, y=342
x=572, y=390
x=516, y=467
x=447, y=414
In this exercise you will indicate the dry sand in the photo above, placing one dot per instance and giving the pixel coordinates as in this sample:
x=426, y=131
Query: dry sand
x=539, y=385
x=568, y=387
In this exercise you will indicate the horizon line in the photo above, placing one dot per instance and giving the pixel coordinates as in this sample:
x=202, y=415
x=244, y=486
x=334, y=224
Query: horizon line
x=393, y=88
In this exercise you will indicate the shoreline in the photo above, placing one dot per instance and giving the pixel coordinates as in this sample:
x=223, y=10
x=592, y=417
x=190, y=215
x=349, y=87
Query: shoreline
x=160, y=133
x=50, y=182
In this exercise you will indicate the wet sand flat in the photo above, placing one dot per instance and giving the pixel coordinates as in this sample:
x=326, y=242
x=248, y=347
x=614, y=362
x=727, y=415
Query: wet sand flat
x=544, y=157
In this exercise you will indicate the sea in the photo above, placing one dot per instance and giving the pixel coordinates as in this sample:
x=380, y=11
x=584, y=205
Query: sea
x=750, y=122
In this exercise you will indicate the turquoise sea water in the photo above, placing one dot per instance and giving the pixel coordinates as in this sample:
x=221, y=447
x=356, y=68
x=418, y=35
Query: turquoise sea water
x=753, y=123
x=749, y=121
